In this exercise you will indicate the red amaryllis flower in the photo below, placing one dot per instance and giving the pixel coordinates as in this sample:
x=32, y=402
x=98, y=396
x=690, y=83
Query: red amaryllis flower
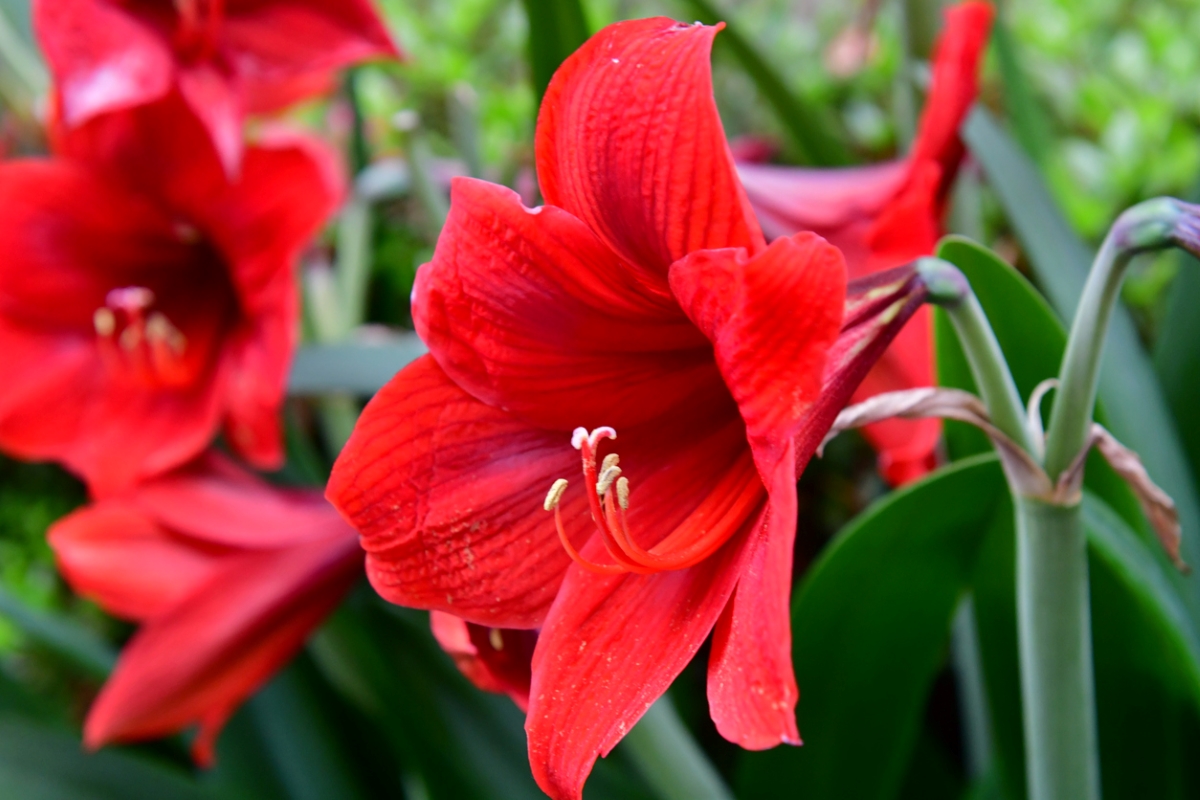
x=494, y=659
x=885, y=215
x=228, y=58
x=642, y=297
x=228, y=576
x=145, y=299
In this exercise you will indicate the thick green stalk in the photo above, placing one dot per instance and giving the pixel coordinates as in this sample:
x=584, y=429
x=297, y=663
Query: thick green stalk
x=1054, y=629
x=949, y=289
x=669, y=758
x=1058, y=695
x=1151, y=225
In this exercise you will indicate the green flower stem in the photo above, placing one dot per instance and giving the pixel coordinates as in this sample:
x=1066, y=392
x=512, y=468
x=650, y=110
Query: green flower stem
x=949, y=289
x=1151, y=225
x=669, y=758
x=1054, y=629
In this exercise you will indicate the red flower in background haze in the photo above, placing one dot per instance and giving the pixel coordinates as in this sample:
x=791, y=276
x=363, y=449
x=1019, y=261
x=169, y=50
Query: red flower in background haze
x=228, y=576
x=227, y=58
x=885, y=215
x=145, y=299
x=641, y=296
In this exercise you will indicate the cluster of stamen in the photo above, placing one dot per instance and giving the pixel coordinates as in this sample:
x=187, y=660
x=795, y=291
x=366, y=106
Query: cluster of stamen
x=145, y=342
x=608, y=498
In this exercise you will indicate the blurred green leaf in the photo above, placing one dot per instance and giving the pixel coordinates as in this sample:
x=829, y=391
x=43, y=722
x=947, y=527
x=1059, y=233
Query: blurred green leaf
x=1177, y=355
x=556, y=29
x=303, y=737
x=812, y=136
x=1147, y=666
x=351, y=367
x=870, y=626
x=444, y=736
x=1027, y=118
x=40, y=763
x=60, y=635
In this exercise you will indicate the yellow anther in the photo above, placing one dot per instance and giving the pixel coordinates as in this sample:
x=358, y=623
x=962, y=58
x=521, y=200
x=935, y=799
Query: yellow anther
x=554, y=496
x=605, y=481
x=160, y=329
x=610, y=460
x=495, y=639
x=104, y=321
x=623, y=493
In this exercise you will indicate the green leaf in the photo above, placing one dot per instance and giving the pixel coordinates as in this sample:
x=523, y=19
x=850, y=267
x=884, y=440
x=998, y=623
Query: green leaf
x=1177, y=355
x=41, y=763
x=556, y=29
x=1148, y=666
x=1033, y=341
x=353, y=367
x=870, y=626
x=812, y=136
x=304, y=736
x=1028, y=120
x=1137, y=410
x=60, y=635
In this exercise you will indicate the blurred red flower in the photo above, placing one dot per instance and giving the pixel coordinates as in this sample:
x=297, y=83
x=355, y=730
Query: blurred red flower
x=641, y=296
x=145, y=299
x=227, y=58
x=884, y=215
x=494, y=659
x=228, y=576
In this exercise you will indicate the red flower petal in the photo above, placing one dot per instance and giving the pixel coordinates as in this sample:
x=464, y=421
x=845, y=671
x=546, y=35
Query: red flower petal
x=289, y=186
x=161, y=149
x=838, y=204
x=877, y=308
x=530, y=312
x=282, y=51
x=504, y=670
x=214, y=500
x=204, y=657
x=956, y=63
x=609, y=648
x=214, y=100
x=752, y=690
x=114, y=554
x=629, y=141
x=447, y=494
x=907, y=448
x=772, y=319
x=102, y=58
